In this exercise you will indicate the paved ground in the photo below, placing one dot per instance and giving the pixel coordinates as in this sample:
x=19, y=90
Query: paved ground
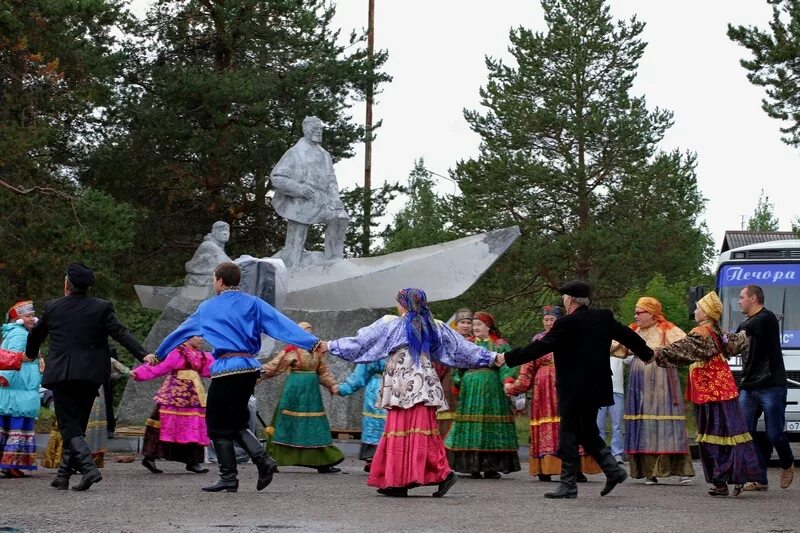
x=131, y=499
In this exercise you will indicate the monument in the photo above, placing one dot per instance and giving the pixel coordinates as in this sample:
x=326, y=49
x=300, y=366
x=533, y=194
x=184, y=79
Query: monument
x=306, y=193
x=337, y=295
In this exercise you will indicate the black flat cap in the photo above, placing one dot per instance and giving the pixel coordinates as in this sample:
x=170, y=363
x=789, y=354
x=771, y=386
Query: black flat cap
x=576, y=288
x=80, y=276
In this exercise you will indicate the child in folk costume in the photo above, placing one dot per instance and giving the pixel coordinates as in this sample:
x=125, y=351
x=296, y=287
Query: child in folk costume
x=727, y=451
x=301, y=433
x=483, y=439
x=176, y=431
x=19, y=396
x=410, y=453
x=369, y=377
x=540, y=375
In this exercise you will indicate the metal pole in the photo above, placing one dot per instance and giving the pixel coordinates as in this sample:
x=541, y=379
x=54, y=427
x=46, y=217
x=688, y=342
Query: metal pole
x=368, y=132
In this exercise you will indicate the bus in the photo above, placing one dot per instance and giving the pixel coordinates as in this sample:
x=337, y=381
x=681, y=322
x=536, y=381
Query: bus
x=775, y=267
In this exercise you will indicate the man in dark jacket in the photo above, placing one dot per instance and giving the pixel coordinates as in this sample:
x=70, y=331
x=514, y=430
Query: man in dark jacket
x=763, y=387
x=581, y=342
x=77, y=365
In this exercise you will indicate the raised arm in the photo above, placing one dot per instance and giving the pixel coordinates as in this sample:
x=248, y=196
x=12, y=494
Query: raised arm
x=280, y=327
x=631, y=340
x=370, y=343
x=461, y=353
x=524, y=382
x=536, y=349
x=174, y=361
x=121, y=334
x=191, y=327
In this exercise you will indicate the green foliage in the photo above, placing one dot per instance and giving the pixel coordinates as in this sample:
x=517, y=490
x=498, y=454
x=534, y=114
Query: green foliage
x=213, y=95
x=673, y=298
x=775, y=64
x=570, y=155
x=763, y=218
x=425, y=218
x=353, y=200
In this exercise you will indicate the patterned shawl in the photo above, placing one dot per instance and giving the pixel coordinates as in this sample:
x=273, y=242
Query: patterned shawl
x=423, y=335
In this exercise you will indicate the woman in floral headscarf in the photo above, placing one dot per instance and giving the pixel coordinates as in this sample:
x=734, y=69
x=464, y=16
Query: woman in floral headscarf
x=410, y=453
x=483, y=439
x=655, y=437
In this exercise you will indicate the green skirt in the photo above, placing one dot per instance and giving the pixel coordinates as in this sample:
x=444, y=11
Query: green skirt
x=483, y=419
x=302, y=434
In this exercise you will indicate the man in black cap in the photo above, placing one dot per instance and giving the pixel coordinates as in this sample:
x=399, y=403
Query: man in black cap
x=77, y=364
x=580, y=342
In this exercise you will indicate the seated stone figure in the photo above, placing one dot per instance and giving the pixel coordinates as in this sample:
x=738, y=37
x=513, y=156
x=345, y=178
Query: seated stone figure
x=210, y=253
x=306, y=192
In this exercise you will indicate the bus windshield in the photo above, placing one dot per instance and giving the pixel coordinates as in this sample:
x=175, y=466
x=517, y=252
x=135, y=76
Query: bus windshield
x=781, y=285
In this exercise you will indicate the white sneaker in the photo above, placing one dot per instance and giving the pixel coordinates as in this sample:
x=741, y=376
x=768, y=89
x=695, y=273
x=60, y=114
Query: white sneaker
x=651, y=481
x=685, y=480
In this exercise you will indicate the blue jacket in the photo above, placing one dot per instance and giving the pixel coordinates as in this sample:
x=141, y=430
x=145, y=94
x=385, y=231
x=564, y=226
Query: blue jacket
x=369, y=375
x=21, y=397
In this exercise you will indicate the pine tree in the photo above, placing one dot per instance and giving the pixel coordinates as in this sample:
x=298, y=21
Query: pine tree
x=570, y=155
x=763, y=218
x=775, y=64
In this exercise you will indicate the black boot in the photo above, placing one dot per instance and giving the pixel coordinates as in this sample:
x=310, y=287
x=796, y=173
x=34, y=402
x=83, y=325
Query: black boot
x=197, y=468
x=446, y=485
x=83, y=460
x=567, y=486
x=226, y=457
x=615, y=474
x=266, y=464
x=65, y=470
x=150, y=464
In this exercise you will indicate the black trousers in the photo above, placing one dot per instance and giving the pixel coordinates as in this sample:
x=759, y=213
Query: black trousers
x=226, y=406
x=579, y=427
x=111, y=421
x=73, y=402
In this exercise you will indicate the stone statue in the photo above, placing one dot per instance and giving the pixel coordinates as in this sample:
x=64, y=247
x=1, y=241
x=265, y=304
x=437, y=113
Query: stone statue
x=210, y=253
x=306, y=192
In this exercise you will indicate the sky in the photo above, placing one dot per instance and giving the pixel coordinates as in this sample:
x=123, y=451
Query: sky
x=436, y=56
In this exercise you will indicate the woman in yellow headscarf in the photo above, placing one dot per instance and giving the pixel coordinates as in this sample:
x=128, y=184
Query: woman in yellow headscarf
x=726, y=448
x=655, y=437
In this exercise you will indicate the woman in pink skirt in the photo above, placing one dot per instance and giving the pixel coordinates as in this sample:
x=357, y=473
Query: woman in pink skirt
x=411, y=452
x=176, y=431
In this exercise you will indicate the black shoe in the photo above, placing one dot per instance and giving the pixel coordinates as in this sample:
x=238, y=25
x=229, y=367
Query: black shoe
x=83, y=459
x=367, y=467
x=266, y=464
x=196, y=468
x=446, y=485
x=110, y=434
x=581, y=478
x=614, y=480
x=476, y=475
x=223, y=486
x=544, y=477
x=60, y=483
x=394, y=492
x=328, y=470
x=88, y=479
x=491, y=475
x=150, y=464
x=562, y=492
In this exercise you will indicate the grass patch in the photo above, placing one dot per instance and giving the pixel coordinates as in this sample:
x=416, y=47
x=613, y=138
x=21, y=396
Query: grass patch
x=45, y=420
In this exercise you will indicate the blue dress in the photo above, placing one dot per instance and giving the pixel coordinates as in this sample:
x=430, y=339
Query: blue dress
x=369, y=377
x=19, y=405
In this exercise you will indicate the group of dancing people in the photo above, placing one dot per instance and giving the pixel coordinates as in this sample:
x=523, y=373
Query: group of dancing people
x=438, y=397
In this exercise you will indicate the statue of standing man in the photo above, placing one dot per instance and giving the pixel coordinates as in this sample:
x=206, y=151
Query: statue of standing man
x=306, y=192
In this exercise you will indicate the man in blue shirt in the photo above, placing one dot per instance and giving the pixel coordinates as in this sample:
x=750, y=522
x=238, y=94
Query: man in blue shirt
x=232, y=322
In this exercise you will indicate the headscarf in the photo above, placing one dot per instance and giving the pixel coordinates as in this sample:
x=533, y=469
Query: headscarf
x=488, y=319
x=421, y=331
x=711, y=305
x=551, y=310
x=20, y=309
x=654, y=307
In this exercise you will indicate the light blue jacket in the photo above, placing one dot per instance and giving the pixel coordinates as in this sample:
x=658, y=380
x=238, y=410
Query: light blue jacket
x=369, y=375
x=21, y=397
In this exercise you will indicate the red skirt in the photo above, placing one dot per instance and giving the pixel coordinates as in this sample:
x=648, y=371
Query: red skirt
x=411, y=452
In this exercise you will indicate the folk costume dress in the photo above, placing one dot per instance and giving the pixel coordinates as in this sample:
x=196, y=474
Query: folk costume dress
x=540, y=376
x=370, y=378
x=410, y=452
x=483, y=437
x=302, y=434
x=727, y=451
x=176, y=430
x=655, y=439
x=19, y=406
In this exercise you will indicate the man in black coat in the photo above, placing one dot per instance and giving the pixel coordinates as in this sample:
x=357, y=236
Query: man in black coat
x=77, y=365
x=581, y=342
